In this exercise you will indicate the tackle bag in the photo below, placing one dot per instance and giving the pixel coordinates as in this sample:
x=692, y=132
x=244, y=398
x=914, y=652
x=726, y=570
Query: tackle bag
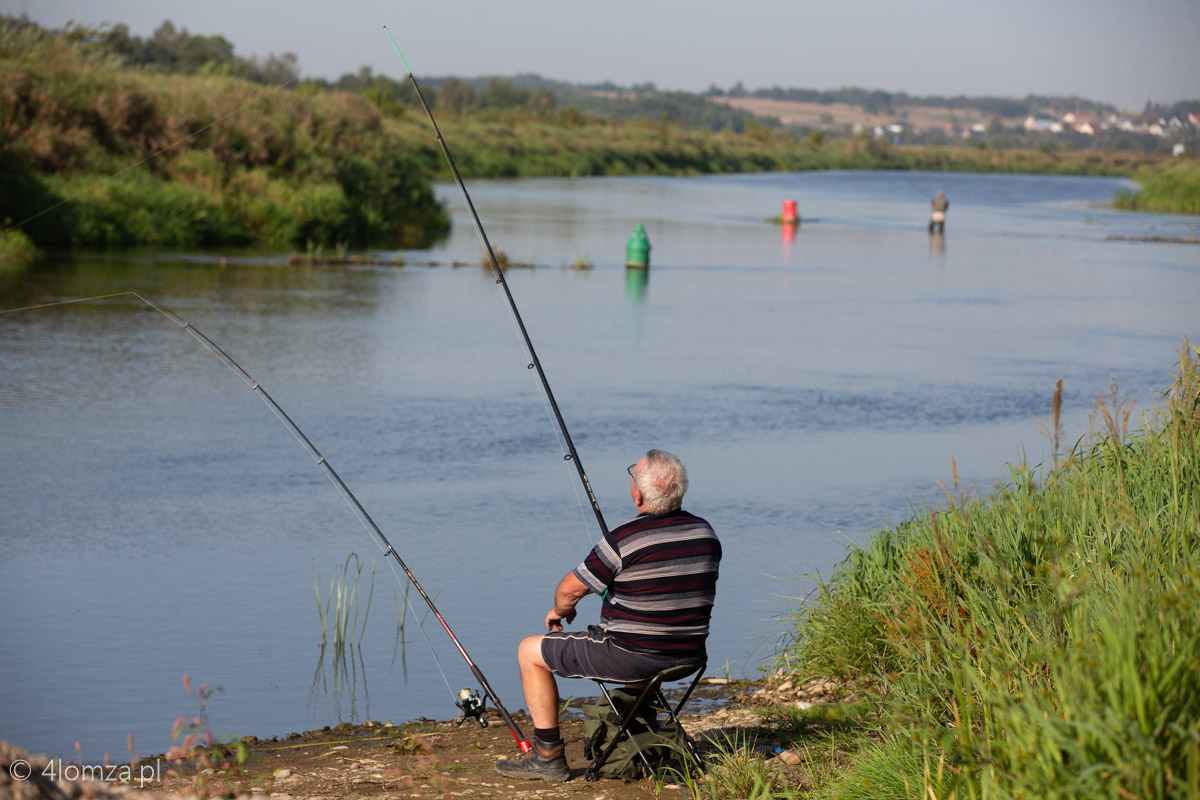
x=661, y=742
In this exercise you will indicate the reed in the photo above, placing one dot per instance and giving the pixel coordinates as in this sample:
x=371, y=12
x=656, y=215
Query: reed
x=1041, y=641
x=339, y=610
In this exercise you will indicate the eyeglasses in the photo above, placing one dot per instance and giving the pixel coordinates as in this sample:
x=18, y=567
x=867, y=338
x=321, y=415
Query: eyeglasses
x=629, y=469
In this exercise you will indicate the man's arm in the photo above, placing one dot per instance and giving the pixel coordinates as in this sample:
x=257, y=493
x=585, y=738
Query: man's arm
x=568, y=594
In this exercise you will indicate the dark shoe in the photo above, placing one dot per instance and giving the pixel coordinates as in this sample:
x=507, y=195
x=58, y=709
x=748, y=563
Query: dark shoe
x=537, y=764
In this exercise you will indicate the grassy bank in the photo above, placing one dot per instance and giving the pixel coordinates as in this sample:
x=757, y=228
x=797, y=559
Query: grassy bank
x=1173, y=187
x=1042, y=641
x=565, y=145
x=91, y=154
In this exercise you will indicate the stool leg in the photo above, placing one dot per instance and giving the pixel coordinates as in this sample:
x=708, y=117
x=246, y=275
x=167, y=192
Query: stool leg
x=672, y=715
x=651, y=688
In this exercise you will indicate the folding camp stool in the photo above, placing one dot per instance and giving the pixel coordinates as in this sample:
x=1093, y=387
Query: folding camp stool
x=652, y=692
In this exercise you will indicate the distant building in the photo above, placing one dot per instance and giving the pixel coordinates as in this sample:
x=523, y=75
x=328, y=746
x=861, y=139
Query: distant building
x=1036, y=125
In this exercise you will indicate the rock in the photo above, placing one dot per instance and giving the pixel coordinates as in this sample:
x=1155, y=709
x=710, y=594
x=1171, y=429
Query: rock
x=790, y=757
x=786, y=686
x=280, y=774
x=803, y=705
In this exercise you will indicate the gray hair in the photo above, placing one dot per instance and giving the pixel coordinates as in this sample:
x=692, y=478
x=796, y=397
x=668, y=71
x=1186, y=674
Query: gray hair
x=662, y=482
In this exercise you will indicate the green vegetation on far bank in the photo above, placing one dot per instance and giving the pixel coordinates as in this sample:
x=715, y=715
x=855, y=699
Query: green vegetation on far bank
x=1042, y=641
x=512, y=145
x=1173, y=187
x=97, y=151
x=92, y=154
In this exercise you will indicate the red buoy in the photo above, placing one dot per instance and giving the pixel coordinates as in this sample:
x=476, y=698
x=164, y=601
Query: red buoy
x=789, y=212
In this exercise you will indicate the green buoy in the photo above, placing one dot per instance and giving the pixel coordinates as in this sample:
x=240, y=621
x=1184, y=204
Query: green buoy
x=637, y=249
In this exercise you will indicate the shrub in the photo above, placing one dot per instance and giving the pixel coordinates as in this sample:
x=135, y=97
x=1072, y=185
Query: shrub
x=16, y=250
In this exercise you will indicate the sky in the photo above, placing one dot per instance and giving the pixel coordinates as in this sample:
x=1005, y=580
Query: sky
x=1123, y=52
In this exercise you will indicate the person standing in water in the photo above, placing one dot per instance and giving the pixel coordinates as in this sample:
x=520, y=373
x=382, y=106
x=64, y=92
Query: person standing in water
x=937, y=217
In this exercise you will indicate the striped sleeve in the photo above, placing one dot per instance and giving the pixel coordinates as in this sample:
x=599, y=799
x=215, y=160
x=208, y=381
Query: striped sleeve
x=600, y=567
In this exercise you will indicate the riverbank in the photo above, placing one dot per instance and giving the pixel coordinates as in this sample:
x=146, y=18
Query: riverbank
x=737, y=720
x=1041, y=640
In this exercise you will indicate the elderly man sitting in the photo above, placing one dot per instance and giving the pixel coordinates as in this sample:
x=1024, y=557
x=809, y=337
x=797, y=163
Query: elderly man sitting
x=657, y=575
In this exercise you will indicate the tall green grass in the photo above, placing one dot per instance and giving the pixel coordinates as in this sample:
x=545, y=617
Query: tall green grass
x=1173, y=187
x=1043, y=641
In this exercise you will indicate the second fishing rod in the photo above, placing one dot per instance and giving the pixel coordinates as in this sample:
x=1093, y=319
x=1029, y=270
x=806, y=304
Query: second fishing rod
x=534, y=364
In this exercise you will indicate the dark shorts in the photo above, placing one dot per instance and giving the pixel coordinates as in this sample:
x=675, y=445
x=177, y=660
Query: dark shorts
x=593, y=654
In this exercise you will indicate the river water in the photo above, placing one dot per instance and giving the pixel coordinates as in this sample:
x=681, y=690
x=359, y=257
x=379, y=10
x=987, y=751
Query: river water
x=158, y=521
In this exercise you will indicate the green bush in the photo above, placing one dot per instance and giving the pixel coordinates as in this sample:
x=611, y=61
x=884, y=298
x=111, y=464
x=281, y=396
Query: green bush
x=1173, y=188
x=136, y=208
x=16, y=250
x=129, y=157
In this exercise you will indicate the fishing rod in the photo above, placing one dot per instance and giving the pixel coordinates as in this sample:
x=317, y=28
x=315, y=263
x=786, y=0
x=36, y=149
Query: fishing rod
x=472, y=705
x=534, y=364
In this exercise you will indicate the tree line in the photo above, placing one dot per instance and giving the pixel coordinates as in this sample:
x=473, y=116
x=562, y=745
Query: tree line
x=876, y=100
x=171, y=49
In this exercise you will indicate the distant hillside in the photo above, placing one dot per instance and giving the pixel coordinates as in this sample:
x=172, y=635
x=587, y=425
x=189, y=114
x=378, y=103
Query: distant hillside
x=1002, y=122
x=873, y=101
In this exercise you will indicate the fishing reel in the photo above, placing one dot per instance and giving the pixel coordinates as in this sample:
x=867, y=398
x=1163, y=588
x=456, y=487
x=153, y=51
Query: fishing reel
x=473, y=705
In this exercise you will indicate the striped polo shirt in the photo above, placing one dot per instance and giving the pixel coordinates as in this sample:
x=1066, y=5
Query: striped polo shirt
x=660, y=572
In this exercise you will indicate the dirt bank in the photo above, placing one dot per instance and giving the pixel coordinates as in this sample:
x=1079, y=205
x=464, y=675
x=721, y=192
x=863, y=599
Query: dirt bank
x=372, y=760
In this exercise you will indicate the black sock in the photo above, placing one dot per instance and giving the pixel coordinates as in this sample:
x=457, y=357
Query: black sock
x=548, y=737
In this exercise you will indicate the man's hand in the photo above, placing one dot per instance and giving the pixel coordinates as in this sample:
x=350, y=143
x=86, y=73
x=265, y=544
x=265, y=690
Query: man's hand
x=554, y=620
x=568, y=594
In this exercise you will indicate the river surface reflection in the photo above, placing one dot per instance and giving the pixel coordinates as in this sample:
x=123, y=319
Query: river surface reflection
x=817, y=381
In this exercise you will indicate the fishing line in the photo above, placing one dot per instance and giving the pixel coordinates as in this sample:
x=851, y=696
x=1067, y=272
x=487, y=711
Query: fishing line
x=421, y=628
x=534, y=364
x=919, y=189
x=561, y=447
x=364, y=518
x=150, y=157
